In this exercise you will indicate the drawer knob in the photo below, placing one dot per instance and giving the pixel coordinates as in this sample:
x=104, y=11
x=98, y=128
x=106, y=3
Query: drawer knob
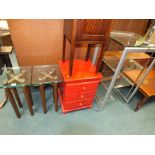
x=82, y=96
x=83, y=87
x=80, y=103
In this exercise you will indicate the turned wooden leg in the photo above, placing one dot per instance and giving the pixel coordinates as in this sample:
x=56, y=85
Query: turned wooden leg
x=141, y=103
x=28, y=98
x=13, y=103
x=88, y=52
x=17, y=97
x=43, y=97
x=55, y=96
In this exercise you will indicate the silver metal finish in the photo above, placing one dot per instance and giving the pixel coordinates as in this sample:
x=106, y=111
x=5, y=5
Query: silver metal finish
x=119, y=67
x=142, y=79
x=95, y=54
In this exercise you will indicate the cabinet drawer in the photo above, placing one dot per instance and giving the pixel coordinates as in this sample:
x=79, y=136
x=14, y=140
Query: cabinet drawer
x=79, y=96
x=78, y=104
x=80, y=87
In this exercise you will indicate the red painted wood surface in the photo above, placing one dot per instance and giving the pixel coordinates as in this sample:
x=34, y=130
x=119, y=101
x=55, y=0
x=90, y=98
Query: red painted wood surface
x=83, y=71
x=77, y=92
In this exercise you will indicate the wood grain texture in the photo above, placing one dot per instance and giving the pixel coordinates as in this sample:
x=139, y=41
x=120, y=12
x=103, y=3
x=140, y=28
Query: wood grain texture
x=93, y=29
x=37, y=42
x=147, y=87
x=43, y=97
x=86, y=32
x=28, y=97
x=12, y=101
x=7, y=40
x=133, y=25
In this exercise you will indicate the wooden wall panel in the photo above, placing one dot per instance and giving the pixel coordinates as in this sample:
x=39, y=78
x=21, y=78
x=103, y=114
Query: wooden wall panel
x=37, y=42
x=7, y=40
x=132, y=25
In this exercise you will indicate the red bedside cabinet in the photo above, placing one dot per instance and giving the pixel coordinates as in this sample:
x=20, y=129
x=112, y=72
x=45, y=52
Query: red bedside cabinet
x=81, y=77
x=78, y=91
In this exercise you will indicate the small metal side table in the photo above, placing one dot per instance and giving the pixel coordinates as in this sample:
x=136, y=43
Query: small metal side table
x=47, y=74
x=123, y=64
x=13, y=77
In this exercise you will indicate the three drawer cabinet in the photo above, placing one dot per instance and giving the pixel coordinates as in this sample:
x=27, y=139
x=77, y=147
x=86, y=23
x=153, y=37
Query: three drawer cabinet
x=78, y=92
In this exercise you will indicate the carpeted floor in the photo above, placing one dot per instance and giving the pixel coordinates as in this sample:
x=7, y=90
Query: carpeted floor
x=116, y=118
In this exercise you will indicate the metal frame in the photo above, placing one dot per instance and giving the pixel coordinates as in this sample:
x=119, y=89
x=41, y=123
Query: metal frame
x=119, y=67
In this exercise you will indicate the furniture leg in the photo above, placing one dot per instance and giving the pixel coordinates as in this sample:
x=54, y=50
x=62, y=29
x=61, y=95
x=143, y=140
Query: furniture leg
x=72, y=51
x=7, y=61
x=64, y=48
x=71, y=62
x=29, y=90
x=43, y=97
x=71, y=59
x=4, y=100
x=55, y=96
x=102, y=52
x=13, y=103
x=88, y=52
x=28, y=98
x=141, y=103
x=17, y=97
x=101, y=67
x=100, y=58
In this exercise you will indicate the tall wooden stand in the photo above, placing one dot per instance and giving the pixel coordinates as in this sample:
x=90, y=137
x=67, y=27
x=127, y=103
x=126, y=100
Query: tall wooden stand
x=81, y=77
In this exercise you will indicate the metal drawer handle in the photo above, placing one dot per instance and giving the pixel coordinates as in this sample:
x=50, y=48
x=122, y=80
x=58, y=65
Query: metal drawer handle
x=80, y=103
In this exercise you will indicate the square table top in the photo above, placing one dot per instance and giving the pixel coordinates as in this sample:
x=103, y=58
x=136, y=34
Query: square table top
x=46, y=74
x=12, y=77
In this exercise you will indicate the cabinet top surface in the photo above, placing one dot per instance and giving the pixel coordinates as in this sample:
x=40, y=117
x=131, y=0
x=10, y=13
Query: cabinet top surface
x=82, y=70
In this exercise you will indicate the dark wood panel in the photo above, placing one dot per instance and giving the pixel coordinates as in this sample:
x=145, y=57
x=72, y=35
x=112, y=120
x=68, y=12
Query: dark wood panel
x=68, y=28
x=93, y=29
x=133, y=25
x=7, y=40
